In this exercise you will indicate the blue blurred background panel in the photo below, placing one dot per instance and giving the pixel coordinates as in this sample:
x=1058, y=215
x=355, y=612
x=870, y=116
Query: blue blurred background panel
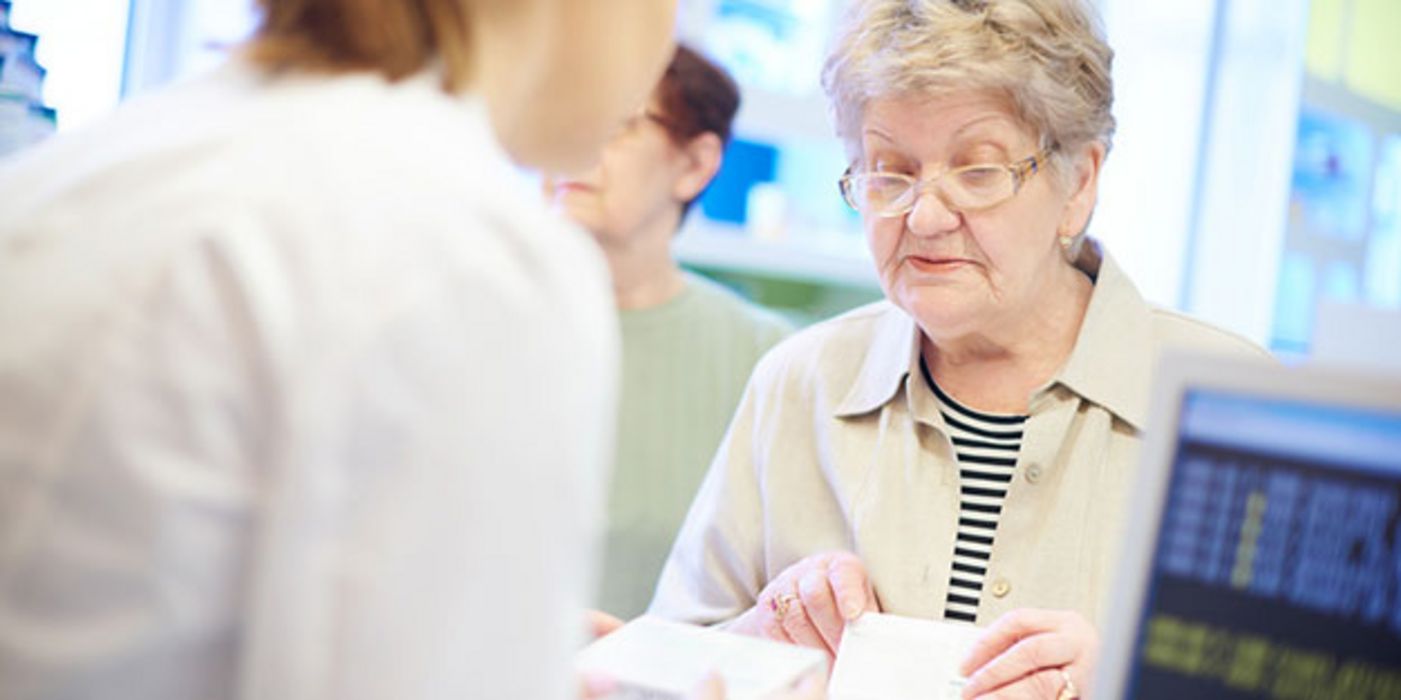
x=747, y=163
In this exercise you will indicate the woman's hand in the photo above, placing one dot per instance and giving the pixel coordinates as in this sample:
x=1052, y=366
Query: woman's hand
x=601, y=624
x=596, y=687
x=810, y=602
x=1041, y=654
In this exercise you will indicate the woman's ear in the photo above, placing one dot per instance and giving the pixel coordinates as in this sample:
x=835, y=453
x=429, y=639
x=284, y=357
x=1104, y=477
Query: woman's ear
x=1084, y=190
x=701, y=157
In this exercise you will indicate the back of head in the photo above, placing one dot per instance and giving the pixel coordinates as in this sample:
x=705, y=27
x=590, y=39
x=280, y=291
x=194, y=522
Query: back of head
x=696, y=96
x=395, y=39
x=1049, y=58
x=556, y=75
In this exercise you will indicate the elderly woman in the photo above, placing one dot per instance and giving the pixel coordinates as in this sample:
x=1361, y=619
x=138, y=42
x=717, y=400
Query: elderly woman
x=962, y=449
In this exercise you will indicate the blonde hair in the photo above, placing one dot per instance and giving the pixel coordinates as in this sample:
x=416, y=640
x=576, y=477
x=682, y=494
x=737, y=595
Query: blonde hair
x=1048, y=57
x=395, y=38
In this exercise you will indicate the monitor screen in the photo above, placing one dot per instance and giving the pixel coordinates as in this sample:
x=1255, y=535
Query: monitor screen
x=1277, y=568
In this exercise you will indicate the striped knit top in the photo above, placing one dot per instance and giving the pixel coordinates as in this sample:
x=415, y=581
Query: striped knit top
x=986, y=446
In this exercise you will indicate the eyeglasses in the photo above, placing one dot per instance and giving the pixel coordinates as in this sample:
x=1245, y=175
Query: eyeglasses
x=966, y=188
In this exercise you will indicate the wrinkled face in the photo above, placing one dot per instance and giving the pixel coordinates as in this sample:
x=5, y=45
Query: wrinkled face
x=582, y=68
x=634, y=186
x=958, y=272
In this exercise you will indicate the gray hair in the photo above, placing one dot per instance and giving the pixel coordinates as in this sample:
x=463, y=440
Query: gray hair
x=1048, y=57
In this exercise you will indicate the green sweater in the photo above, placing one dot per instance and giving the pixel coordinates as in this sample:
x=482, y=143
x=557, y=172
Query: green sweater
x=685, y=365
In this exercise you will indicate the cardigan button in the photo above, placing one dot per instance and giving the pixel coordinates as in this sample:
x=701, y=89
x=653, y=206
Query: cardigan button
x=1001, y=587
x=1033, y=473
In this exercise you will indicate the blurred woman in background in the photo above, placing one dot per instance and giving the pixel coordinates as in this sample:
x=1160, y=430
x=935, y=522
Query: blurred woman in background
x=688, y=343
x=300, y=396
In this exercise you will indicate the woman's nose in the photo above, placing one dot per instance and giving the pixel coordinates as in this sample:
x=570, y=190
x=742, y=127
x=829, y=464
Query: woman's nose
x=930, y=216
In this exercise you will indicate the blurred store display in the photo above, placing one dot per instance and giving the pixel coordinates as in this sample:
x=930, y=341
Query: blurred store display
x=24, y=120
x=773, y=224
x=1342, y=243
x=771, y=44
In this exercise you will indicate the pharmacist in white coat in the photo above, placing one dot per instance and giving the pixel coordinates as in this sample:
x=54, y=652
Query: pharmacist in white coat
x=300, y=397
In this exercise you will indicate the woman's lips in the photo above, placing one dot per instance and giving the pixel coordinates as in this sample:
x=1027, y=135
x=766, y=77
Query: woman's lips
x=574, y=187
x=930, y=264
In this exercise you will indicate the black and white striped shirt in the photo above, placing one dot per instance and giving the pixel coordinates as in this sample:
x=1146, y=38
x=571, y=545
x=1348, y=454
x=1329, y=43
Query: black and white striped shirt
x=986, y=445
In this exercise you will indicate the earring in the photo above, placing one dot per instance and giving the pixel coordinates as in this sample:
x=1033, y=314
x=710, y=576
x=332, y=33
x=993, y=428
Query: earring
x=1066, y=241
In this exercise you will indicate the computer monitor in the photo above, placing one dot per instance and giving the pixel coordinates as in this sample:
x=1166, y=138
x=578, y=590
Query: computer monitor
x=1263, y=556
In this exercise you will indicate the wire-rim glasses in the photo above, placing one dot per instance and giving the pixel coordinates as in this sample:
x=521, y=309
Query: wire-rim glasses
x=965, y=188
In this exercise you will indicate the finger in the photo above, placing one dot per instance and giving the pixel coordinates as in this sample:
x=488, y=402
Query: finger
x=594, y=685
x=851, y=586
x=1005, y=632
x=821, y=607
x=712, y=688
x=1028, y=657
x=1046, y=683
x=770, y=626
x=602, y=624
x=800, y=628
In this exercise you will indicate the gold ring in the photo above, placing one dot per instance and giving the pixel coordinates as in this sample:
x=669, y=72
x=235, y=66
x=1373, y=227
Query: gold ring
x=1068, y=691
x=781, y=604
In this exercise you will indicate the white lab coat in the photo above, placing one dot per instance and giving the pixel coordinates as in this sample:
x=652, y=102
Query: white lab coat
x=301, y=396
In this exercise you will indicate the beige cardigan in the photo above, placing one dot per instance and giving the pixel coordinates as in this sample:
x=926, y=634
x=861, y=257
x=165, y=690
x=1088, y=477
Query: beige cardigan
x=839, y=444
